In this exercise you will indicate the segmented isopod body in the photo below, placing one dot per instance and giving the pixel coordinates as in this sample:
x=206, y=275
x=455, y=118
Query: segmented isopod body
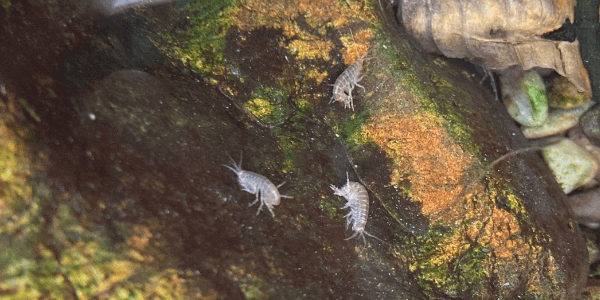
x=345, y=83
x=358, y=201
x=255, y=183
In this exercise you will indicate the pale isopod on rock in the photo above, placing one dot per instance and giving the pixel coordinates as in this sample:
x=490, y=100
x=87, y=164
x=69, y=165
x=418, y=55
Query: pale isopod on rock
x=358, y=201
x=255, y=183
x=345, y=83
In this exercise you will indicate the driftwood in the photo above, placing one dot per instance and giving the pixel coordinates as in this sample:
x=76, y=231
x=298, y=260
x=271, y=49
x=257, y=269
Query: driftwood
x=497, y=34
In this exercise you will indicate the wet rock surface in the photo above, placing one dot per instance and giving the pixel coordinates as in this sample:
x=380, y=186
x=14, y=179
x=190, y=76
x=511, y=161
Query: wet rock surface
x=119, y=187
x=590, y=124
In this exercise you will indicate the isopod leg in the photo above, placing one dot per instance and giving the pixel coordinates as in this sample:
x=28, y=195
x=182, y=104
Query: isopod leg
x=364, y=240
x=255, y=201
x=353, y=236
x=271, y=211
x=260, y=207
x=361, y=77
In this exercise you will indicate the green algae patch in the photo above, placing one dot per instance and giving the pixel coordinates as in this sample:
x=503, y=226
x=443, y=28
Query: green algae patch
x=539, y=100
x=448, y=263
x=352, y=131
x=202, y=44
x=563, y=94
x=255, y=288
x=86, y=264
x=333, y=211
x=290, y=145
x=268, y=105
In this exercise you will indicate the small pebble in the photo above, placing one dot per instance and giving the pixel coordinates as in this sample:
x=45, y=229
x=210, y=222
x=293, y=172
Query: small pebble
x=572, y=166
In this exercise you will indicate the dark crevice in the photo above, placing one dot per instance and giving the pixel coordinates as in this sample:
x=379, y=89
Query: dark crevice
x=566, y=33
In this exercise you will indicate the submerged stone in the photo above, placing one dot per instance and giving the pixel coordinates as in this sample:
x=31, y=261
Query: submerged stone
x=524, y=94
x=138, y=157
x=586, y=207
x=590, y=124
x=572, y=166
x=558, y=121
x=564, y=94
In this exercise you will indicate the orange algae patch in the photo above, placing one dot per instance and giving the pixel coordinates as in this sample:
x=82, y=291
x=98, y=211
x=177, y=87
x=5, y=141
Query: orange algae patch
x=426, y=155
x=501, y=233
x=357, y=45
x=316, y=14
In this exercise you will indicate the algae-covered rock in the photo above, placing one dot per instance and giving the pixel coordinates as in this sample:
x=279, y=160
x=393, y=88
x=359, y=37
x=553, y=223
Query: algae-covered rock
x=564, y=94
x=136, y=199
x=558, y=121
x=524, y=94
x=572, y=165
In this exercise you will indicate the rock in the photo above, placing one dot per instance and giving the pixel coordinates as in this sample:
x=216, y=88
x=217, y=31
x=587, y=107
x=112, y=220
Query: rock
x=586, y=206
x=576, y=135
x=135, y=169
x=524, y=94
x=558, y=121
x=590, y=124
x=564, y=94
x=572, y=166
x=593, y=248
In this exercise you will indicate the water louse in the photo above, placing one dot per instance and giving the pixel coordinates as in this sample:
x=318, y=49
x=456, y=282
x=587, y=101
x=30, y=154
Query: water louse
x=255, y=183
x=345, y=83
x=358, y=201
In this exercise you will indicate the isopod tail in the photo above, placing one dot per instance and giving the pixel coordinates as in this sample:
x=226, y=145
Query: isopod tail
x=362, y=235
x=376, y=237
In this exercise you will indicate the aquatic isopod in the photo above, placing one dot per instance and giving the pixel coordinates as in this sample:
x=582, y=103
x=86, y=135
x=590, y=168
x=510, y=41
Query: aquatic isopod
x=345, y=83
x=358, y=201
x=254, y=183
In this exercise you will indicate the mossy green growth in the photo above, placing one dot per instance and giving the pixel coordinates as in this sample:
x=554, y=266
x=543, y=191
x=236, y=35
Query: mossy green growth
x=304, y=108
x=268, y=105
x=332, y=210
x=255, y=288
x=539, y=100
x=446, y=263
x=6, y=4
x=289, y=145
x=32, y=269
x=351, y=130
x=564, y=94
x=567, y=101
x=453, y=122
x=536, y=91
x=203, y=43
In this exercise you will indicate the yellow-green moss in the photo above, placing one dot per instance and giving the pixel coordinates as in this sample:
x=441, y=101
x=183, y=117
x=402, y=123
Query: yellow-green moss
x=452, y=272
x=351, y=130
x=268, y=105
x=85, y=259
x=255, y=288
x=204, y=41
x=289, y=145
